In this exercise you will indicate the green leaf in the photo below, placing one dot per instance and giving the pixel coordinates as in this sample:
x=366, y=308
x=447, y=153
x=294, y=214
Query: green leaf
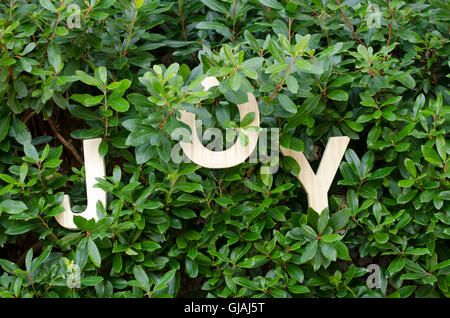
x=406, y=183
x=248, y=119
x=354, y=125
x=119, y=104
x=20, y=228
x=296, y=289
x=215, y=5
x=91, y=281
x=184, y=213
x=328, y=251
x=381, y=237
x=216, y=26
x=381, y=173
x=151, y=205
x=8, y=266
x=282, y=188
x=444, y=195
x=405, y=198
x=338, y=95
x=236, y=80
x=276, y=68
x=8, y=178
x=253, y=262
x=341, y=80
x=276, y=52
x=414, y=267
x=139, y=3
x=141, y=277
x=410, y=36
x=20, y=132
x=249, y=73
x=339, y=219
x=404, y=132
x=409, y=164
x=302, y=44
x=341, y=250
x=5, y=120
x=41, y=258
x=150, y=246
x=403, y=292
x=295, y=272
x=245, y=282
x=441, y=147
x=417, y=251
x=229, y=54
x=272, y=4
x=117, y=262
x=308, y=232
x=396, y=265
x=192, y=235
x=287, y=103
x=54, y=57
x=87, y=100
x=309, y=252
x=93, y=253
x=82, y=112
x=322, y=221
x=21, y=88
x=291, y=143
x=164, y=281
x=13, y=206
x=87, y=79
x=189, y=187
x=47, y=4
x=292, y=84
x=407, y=80
x=330, y=238
x=30, y=151
x=431, y=156
x=191, y=267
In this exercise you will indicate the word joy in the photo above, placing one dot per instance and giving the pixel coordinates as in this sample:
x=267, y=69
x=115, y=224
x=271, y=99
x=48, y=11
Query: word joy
x=316, y=184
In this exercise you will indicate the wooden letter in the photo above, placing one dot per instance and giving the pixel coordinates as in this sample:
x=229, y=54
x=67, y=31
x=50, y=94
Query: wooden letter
x=317, y=185
x=233, y=156
x=94, y=168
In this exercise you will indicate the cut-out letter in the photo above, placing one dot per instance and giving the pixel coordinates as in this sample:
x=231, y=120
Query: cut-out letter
x=317, y=185
x=94, y=168
x=233, y=156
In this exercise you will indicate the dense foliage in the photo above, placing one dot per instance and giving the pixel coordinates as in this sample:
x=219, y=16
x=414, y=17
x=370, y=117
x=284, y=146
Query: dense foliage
x=318, y=69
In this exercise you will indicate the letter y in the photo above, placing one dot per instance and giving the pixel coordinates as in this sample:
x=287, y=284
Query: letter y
x=317, y=185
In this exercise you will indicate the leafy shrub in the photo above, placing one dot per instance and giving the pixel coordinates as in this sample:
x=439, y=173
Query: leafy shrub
x=317, y=68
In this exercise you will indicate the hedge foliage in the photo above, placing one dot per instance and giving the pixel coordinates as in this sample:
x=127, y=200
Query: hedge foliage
x=318, y=69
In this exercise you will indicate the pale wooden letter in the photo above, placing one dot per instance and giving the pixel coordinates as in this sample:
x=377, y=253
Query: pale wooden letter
x=94, y=168
x=233, y=156
x=317, y=185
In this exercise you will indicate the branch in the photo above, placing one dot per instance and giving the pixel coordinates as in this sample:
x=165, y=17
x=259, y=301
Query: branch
x=279, y=86
x=67, y=144
x=348, y=23
x=28, y=117
x=390, y=23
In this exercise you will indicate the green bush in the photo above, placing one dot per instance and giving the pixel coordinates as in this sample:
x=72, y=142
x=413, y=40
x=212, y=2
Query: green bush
x=318, y=69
